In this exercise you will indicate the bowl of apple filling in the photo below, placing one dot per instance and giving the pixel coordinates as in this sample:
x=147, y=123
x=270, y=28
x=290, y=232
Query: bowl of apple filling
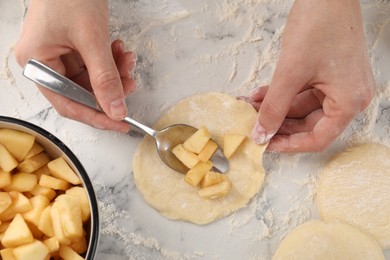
x=48, y=207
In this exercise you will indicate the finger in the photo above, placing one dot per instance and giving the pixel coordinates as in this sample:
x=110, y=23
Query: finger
x=117, y=49
x=73, y=63
x=287, y=82
x=323, y=134
x=293, y=126
x=255, y=104
x=104, y=75
x=82, y=79
x=259, y=93
x=126, y=63
x=75, y=111
x=303, y=104
x=76, y=70
x=129, y=85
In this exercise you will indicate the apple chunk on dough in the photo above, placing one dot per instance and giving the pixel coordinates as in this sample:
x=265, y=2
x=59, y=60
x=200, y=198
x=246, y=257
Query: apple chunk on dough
x=215, y=191
x=230, y=143
x=208, y=150
x=212, y=178
x=197, y=141
x=189, y=159
x=195, y=175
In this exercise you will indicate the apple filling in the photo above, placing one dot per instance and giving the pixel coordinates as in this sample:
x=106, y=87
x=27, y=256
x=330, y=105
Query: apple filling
x=195, y=153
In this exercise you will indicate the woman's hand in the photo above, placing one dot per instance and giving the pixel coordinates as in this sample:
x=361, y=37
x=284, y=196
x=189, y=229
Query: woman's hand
x=72, y=37
x=322, y=80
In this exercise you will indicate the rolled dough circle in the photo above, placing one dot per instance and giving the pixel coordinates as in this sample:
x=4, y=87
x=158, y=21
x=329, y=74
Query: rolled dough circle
x=354, y=188
x=334, y=240
x=166, y=191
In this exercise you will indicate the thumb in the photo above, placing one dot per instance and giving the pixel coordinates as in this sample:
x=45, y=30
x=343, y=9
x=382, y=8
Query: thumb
x=105, y=78
x=275, y=105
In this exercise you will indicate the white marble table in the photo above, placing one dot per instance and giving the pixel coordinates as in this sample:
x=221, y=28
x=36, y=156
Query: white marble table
x=186, y=47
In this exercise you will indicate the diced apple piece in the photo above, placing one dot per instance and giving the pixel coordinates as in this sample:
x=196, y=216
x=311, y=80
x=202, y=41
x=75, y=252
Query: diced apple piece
x=70, y=213
x=8, y=214
x=20, y=203
x=189, y=159
x=34, y=163
x=45, y=224
x=207, y=151
x=80, y=246
x=5, y=178
x=16, y=142
x=57, y=226
x=37, y=234
x=3, y=226
x=39, y=203
x=7, y=254
x=32, y=251
x=68, y=253
x=35, y=149
x=52, y=244
x=5, y=201
x=45, y=191
x=195, y=175
x=60, y=169
x=212, y=178
x=230, y=143
x=7, y=161
x=53, y=183
x=17, y=233
x=197, y=141
x=215, y=191
x=81, y=194
x=22, y=182
x=43, y=170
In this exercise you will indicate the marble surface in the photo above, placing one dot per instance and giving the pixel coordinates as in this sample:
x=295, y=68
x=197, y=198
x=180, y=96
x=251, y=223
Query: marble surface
x=186, y=47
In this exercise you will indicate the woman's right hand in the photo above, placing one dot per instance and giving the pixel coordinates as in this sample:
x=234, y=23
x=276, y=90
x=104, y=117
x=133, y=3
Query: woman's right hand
x=72, y=37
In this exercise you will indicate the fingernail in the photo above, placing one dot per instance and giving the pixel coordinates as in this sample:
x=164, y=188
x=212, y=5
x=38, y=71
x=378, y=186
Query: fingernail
x=260, y=136
x=118, y=108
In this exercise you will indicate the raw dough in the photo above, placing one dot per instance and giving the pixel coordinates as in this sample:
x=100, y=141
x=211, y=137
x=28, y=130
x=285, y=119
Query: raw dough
x=320, y=240
x=166, y=190
x=355, y=188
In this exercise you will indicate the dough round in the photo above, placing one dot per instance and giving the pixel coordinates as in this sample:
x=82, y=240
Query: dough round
x=355, y=188
x=320, y=240
x=166, y=190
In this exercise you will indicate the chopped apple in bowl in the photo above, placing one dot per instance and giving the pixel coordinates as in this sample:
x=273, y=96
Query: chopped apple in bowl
x=44, y=210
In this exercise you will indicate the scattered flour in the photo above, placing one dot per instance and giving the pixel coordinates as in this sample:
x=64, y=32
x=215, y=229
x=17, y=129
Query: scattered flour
x=263, y=212
x=266, y=212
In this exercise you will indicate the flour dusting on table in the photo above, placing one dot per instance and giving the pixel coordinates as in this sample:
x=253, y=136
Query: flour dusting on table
x=243, y=53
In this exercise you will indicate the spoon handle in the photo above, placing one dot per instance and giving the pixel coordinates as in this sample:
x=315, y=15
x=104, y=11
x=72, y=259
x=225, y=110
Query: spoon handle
x=50, y=79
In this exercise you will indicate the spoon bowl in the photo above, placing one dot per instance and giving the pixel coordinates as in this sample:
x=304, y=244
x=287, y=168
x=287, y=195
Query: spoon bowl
x=165, y=139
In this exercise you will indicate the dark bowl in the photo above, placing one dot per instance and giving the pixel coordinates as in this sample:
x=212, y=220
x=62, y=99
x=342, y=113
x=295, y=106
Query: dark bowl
x=55, y=148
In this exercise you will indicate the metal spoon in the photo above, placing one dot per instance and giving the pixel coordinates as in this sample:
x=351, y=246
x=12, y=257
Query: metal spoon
x=165, y=139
